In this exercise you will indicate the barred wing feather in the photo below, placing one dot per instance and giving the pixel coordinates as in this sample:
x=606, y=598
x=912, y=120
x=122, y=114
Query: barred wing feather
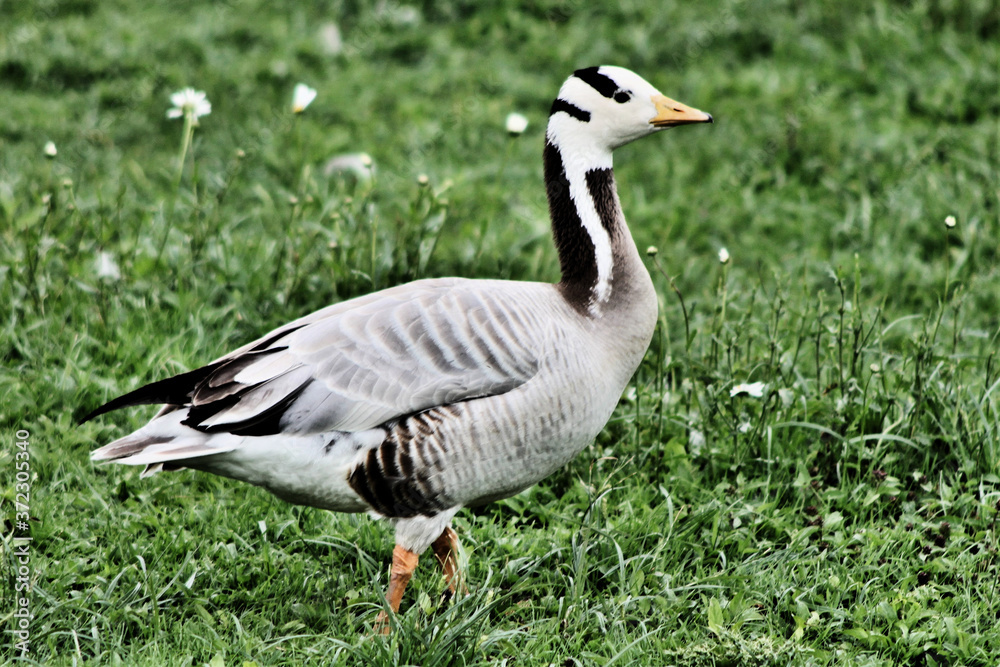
x=363, y=362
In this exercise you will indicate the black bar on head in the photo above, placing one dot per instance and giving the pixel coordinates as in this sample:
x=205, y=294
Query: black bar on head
x=571, y=109
x=603, y=84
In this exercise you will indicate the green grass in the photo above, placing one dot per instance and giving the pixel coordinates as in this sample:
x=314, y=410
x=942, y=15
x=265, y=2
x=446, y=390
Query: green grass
x=848, y=516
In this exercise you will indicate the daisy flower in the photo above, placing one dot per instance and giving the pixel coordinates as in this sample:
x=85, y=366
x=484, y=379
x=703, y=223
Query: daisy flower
x=106, y=266
x=302, y=97
x=516, y=124
x=358, y=164
x=189, y=103
x=755, y=389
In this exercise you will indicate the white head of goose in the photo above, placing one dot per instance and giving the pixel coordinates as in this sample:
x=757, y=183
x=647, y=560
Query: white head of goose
x=418, y=400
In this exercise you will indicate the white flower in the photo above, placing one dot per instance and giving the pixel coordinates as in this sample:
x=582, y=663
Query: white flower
x=755, y=389
x=330, y=39
x=723, y=256
x=359, y=164
x=787, y=397
x=516, y=124
x=50, y=149
x=107, y=267
x=696, y=442
x=302, y=97
x=189, y=103
x=950, y=222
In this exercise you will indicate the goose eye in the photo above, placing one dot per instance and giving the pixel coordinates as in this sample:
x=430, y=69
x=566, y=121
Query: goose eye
x=622, y=97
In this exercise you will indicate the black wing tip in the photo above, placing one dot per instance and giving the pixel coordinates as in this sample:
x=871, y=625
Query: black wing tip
x=178, y=389
x=174, y=390
x=94, y=413
x=137, y=397
x=116, y=404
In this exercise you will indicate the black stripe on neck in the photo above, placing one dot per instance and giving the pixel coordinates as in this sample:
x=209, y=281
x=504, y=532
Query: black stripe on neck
x=601, y=186
x=577, y=258
x=571, y=109
x=605, y=85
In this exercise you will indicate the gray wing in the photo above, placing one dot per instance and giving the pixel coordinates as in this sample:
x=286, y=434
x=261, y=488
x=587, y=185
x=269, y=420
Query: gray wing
x=363, y=362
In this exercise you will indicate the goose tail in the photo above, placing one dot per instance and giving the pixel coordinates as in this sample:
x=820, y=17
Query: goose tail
x=164, y=444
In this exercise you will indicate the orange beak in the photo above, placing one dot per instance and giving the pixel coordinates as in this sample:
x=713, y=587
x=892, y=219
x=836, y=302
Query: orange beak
x=670, y=113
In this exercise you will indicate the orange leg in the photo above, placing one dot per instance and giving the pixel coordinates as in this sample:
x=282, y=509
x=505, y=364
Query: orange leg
x=404, y=562
x=446, y=550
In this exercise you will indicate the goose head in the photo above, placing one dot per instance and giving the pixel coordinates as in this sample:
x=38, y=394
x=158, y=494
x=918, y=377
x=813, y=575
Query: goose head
x=599, y=109
x=603, y=108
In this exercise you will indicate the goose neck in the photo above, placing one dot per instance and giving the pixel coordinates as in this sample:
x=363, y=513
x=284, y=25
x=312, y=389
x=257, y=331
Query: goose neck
x=587, y=223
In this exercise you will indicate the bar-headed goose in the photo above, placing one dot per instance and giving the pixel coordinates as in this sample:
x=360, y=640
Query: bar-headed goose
x=421, y=399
